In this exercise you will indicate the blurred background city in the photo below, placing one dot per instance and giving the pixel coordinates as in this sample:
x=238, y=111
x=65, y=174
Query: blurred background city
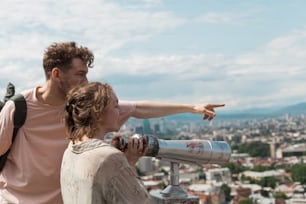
x=267, y=163
x=250, y=55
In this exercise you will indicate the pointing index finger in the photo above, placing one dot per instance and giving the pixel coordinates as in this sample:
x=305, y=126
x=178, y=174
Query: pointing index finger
x=217, y=105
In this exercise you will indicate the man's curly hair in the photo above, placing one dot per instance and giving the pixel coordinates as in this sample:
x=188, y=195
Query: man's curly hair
x=60, y=55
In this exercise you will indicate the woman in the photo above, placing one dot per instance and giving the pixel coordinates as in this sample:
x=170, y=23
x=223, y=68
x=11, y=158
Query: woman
x=93, y=171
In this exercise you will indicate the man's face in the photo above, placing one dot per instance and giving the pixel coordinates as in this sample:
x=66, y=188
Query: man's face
x=76, y=75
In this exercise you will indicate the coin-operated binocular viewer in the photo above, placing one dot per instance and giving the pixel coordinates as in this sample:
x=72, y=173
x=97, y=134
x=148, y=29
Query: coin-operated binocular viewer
x=182, y=151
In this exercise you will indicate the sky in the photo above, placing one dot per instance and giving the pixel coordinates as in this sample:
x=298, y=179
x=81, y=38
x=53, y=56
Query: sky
x=246, y=54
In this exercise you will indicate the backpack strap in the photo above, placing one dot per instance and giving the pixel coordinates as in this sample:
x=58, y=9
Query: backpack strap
x=19, y=119
x=20, y=112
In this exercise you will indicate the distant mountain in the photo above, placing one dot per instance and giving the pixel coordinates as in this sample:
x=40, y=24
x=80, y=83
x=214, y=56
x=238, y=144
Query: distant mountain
x=299, y=108
x=256, y=113
x=295, y=109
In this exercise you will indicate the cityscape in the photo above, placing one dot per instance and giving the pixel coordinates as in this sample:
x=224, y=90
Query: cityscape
x=267, y=163
x=250, y=55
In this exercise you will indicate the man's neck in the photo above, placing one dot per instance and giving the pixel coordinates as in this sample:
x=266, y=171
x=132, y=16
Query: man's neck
x=49, y=96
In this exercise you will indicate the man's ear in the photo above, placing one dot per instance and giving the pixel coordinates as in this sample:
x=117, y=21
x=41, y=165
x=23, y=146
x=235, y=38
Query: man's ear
x=55, y=73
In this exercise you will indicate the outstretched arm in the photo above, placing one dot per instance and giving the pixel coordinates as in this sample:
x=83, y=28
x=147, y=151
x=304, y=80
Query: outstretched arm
x=147, y=109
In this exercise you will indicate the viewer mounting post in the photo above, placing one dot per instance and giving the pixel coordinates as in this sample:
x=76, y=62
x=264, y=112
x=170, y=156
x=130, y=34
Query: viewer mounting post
x=173, y=193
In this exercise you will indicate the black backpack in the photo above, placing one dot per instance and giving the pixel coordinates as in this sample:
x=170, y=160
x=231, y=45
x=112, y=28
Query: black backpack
x=19, y=119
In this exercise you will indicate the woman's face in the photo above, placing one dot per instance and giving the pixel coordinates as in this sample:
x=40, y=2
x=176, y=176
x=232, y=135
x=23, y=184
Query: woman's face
x=110, y=115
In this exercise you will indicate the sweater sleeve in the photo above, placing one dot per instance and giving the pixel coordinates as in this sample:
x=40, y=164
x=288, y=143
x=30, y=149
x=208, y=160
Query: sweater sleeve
x=123, y=185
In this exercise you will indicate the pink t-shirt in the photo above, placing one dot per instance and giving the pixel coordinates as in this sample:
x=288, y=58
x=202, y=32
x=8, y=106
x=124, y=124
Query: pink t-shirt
x=32, y=171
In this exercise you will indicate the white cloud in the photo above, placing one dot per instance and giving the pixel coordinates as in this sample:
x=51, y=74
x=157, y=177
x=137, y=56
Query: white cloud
x=229, y=17
x=268, y=74
x=102, y=25
x=213, y=17
x=260, y=78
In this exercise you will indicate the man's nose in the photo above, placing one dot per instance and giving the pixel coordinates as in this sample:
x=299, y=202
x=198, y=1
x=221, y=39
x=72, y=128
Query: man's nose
x=85, y=80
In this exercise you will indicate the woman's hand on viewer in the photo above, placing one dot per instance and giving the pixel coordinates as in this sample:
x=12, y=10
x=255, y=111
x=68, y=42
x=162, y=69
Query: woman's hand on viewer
x=136, y=148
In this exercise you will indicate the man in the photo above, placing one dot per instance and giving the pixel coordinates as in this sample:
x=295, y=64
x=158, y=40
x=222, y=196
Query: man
x=32, y=171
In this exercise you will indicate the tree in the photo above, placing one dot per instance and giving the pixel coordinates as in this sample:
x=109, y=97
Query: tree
x=164, y=171
x=262, y=168
x=227, y=192
x=235, y=169
x=255, y=149
x=246, y=201
x=269, y=181
x=298, y=173
x=280, y=195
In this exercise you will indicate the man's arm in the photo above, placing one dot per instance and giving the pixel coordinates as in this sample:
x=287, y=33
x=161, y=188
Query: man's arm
x=147, y=109
x=150, y=109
